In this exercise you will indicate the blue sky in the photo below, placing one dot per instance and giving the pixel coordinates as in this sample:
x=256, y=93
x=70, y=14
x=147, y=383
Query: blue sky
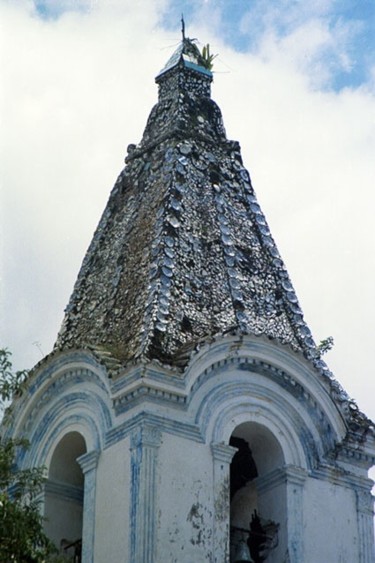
x=244, y=23
x=347, y=56
x=53, y=9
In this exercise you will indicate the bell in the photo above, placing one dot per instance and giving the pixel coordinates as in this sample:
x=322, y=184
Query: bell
x=242, y=553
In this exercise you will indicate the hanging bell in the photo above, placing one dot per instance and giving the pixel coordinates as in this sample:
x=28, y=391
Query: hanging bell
x=242, y=553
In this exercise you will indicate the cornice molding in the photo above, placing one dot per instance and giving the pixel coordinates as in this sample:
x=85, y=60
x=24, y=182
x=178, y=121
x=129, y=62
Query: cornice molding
x=88, y=461
x=169, y=425
x=223, y=452
x=287, y=474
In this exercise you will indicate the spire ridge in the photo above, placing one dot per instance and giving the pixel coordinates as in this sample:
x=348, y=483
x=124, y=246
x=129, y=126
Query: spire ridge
x=183, y=250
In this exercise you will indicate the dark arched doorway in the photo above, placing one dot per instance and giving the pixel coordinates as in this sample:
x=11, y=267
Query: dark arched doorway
x=64, y=493
x=257, y=501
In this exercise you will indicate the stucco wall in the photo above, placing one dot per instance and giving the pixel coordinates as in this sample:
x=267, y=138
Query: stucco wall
x=112, y=504
x=185, y=511
x=330, y=523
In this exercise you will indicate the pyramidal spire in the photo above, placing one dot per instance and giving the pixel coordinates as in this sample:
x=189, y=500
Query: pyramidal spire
x=183, y=251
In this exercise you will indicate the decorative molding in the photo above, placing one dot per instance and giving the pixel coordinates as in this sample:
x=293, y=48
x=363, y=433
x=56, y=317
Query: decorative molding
x=365, y=502
x=51, y=429
x=233, y=401
x=152, y=370
x=295, y=475
x=278, y=376
x=175, y=427
x=163, y=385
x=89, y=461
x=144, y=445
x=348, y=411
x=57, y=361
x=287, y=474
x=223, y=452
x=340, y=476
x=56, y=388
x=145, y=435
x=150, y=392
x=352, y=451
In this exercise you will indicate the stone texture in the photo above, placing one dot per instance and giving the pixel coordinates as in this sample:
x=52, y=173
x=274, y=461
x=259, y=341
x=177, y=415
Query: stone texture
x=183, y=250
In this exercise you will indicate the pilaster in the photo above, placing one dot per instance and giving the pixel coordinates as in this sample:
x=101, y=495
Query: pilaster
x=295, y=480
x=222, y=455
x=365, y=515
x=88, y=463
x=145, y=442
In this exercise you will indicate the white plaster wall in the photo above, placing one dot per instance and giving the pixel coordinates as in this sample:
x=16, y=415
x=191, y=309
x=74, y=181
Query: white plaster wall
x=112, y=504
x=185, y=511
x=330, y=523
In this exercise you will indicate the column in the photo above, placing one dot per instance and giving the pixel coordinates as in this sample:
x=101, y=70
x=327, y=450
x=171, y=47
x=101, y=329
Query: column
x=365, y=514
x=88, y=463
x=145, y=443
x=295, y=479
x=222, y=455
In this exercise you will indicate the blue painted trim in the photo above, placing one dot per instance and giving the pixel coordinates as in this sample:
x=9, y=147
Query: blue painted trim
x=243, y=393
x=198, y=68
x=135, y=463
x=65, y=360
x=177, y=428
x=159, y=374
x=36, y=456
x=52, y=376
x=274, y=374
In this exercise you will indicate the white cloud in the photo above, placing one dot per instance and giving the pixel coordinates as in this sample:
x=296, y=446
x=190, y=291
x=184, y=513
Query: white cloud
x=319, y=38
x=79, y=90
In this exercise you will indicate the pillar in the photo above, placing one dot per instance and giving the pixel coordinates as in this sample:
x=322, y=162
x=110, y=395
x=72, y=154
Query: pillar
x=145, y=442
x=222, y=455
x=295, y=480
x=365, y=515
x=88, y=463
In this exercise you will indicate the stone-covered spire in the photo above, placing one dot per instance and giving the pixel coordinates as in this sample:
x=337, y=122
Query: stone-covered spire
x=182, y=251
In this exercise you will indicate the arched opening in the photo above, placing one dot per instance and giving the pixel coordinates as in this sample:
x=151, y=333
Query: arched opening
x=63, y=506
x=257, y=495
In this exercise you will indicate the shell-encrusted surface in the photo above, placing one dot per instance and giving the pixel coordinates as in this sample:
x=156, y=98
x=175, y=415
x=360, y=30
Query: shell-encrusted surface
x=183, y=250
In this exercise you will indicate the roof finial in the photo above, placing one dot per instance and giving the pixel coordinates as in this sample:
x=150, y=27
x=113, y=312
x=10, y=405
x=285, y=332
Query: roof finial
x=183, y=27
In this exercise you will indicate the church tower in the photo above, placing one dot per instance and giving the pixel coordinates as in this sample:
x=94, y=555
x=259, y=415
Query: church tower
x=185, y=413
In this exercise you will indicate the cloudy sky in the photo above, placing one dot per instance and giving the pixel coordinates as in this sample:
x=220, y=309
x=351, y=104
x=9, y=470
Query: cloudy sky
x=296, y=84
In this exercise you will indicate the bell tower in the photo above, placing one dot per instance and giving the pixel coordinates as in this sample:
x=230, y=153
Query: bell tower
x=185, y=382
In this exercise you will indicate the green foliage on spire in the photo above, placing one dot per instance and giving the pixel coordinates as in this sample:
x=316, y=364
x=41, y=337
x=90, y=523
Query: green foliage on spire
x=325, y=345
x=207, y=58
x=204, y=58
